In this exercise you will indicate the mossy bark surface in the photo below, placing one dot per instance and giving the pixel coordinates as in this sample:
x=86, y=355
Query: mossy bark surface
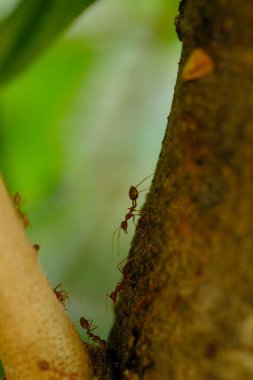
x=186, y=308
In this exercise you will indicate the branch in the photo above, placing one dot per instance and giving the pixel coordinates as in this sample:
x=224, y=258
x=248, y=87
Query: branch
x=31, y=28
x=37, y=340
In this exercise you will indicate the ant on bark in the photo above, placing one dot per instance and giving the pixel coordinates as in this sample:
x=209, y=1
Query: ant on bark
x=86, y=324
x=113, y=295
x=61, y=294
x=144, y=301
x=125, y=269
x=17, y=201
x=36, y=247
x=125, y=266
x=133, y=194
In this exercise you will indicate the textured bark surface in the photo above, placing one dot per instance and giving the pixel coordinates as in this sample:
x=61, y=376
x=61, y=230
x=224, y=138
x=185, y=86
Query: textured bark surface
x=186, y=310
x=38, y=341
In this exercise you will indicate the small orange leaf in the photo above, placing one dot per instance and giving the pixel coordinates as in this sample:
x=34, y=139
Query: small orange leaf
x=198, y=64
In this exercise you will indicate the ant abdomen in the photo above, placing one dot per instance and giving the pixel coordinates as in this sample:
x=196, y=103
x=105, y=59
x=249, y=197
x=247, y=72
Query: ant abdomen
x=133, y=193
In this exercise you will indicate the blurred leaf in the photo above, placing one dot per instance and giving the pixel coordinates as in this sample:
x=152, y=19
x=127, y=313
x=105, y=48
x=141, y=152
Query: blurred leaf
x=32, y=109
x=32, y=26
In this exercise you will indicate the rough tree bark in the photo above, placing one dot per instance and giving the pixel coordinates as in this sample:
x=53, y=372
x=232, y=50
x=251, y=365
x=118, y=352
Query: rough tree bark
x=38, y=341
x=186, y=309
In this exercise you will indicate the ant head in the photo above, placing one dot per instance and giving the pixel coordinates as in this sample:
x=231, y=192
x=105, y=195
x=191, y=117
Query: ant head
x=133, y=193
x=84, y=323
x=17, y=198
x=113, y=296
x=26, y=222
x=59, y=295
x=102, y=343
x=123, y=225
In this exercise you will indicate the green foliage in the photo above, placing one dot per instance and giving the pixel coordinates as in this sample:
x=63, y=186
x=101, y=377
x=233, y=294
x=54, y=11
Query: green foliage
x=31, y=112
x=81, y=123
x=31, y=28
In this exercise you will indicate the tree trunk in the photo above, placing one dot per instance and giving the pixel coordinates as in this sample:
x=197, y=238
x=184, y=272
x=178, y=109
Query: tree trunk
x=186, y=299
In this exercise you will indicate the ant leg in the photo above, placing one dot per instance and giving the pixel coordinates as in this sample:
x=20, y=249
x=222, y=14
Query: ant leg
x=93, y=327
x=120, y=265
x=112, y=296
x=134, y=215
x=118, y=240
x=125, y=266
x=113, y=235
x=148, y=188
x=119, y=229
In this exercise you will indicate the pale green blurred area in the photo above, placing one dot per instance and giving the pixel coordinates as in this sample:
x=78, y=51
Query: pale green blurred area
x=6, y=7
x=77, y=128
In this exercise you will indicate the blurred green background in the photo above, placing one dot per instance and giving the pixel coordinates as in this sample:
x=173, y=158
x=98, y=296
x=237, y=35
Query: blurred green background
x=78, y=126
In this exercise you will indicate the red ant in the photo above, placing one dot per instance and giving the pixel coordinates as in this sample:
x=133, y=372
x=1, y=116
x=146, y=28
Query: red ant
x=37, y=248
x=120, y=286
x=133, y=194
x=86, y=324
x=127, y=267
x=125, y=270
x=146, y=299
x=124, y=224
x=139, y=305
x=17, y=200
x=61, y=294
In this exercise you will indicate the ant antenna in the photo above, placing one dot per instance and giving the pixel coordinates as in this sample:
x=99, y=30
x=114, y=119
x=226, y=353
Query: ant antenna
x=113, y=236
x=144, y=180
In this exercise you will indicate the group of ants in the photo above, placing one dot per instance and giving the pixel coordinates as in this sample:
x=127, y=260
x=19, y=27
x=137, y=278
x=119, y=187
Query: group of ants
x=61, y=294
